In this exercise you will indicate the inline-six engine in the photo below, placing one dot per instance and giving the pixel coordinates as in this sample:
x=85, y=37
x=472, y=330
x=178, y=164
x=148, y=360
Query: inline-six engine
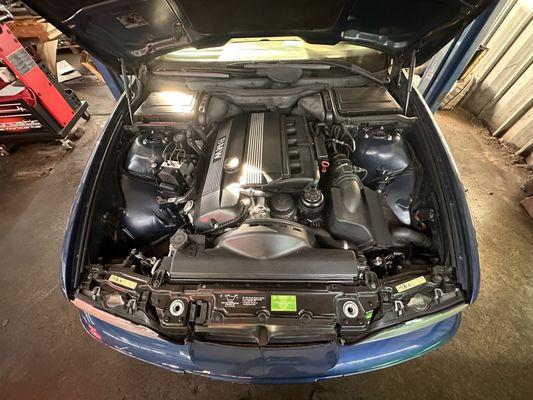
x=283, y=187
x=242, y=201
x=256, y=156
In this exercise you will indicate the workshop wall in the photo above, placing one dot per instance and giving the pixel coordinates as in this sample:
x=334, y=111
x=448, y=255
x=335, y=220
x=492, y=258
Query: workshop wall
x=501, y=92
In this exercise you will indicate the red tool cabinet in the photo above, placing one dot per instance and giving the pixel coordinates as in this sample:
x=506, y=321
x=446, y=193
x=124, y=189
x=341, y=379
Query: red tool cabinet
x=35, y=107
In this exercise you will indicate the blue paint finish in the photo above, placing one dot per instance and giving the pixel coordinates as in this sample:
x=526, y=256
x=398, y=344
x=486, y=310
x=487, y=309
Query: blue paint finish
x=298, y=364
x=433, y=67
x=71, y=249
x=463, y=233
x=111, y=78
x=273, y=365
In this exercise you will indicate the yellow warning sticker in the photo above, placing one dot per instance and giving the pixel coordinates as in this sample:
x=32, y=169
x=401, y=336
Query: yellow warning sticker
x=123, y=281
x=410, y=284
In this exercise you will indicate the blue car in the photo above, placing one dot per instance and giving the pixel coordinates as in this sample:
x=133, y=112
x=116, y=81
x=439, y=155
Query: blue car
x=271, y=200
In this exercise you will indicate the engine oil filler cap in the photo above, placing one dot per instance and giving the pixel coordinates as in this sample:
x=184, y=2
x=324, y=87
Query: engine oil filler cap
x=282, y=206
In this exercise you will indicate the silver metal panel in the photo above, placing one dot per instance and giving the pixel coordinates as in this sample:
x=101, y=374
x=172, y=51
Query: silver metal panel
x=254, y=156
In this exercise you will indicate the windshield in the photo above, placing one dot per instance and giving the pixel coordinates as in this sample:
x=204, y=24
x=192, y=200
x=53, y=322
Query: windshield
x=279, y=49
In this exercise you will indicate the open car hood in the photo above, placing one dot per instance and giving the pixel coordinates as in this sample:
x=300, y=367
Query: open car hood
x=139, y=30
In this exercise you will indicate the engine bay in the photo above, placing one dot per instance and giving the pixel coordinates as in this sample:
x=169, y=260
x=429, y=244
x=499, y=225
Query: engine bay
x=256, y=213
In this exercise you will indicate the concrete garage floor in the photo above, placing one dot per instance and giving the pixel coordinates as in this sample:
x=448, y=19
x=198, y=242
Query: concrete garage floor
x=45, y=354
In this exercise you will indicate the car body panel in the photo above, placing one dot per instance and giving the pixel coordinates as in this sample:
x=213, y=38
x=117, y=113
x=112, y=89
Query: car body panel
x=467, y=260
x=288, y=364
x=291, y=364
x=273, y=365
x=139, y=30
x=463, y=232
x=73, y=246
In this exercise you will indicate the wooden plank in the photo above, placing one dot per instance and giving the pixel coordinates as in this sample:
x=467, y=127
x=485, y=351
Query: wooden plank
x=86, y=61
x=33, y=28
x=47, y=52
x=509, y=48
x=520, y=132
x=514, y=100
x=502, y=75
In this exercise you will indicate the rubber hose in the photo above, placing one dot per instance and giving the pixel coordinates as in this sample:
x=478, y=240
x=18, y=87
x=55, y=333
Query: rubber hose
x=200, y=133
x=185, y=197
x=212, y=130
x=407, y=235
x=326, y=240
x=229, y=224
x=193, y=145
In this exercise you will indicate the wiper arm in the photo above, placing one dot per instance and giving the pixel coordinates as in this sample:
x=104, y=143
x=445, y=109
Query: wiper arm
x=192, y=74
x=356, y=69
x=251, y=69
x=318, y=65
x=203, y=72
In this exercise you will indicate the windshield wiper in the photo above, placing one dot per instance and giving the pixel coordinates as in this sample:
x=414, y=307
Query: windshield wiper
x=248, y=69
x=318, y=65
x=193, y=74
x=204, y=72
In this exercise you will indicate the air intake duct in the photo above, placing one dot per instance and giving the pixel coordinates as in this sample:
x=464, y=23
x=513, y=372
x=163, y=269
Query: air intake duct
x=356, y=212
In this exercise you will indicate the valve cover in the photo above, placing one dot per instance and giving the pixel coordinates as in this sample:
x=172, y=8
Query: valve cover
x=265, y=150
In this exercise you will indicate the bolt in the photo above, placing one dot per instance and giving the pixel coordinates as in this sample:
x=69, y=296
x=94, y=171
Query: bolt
x=350, y=309
x=166, y=319
x=306, y=318
x=262, y=317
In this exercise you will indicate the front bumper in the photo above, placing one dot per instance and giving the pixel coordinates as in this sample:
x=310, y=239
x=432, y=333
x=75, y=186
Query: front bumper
x=283, y=364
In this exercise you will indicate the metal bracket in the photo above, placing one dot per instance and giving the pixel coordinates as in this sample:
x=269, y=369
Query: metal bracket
x=440, y=296
x=96, y=293
x=399, y=307
x=131, y=306
x=412, y=65
x=126, y=81
x=5, y=14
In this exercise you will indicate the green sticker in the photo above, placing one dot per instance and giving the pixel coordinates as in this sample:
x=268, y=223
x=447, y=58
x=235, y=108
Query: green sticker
x=283, y=302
